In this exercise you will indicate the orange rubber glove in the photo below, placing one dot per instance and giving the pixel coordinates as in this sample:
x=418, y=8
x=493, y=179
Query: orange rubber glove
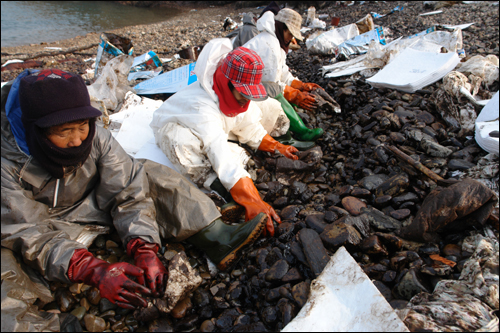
x=245, y=193
x=270, y=145
x=303, y=99
x=304, y=86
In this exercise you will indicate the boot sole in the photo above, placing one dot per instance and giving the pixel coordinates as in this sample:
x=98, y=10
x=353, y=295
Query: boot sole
x=232, y=213
x=232, y=257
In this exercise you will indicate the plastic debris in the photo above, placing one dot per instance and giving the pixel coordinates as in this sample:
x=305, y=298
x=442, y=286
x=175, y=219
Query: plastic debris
x=111, y=46
x=360, y=44
x=365, y=24
x=169, y=82
x=343, y=299
x=311, y=15
x=484, y=67
x=412, y=70
x=326, y=42
x=431, y=13
x=487, y=122
x=134, y=117
x=112, y=85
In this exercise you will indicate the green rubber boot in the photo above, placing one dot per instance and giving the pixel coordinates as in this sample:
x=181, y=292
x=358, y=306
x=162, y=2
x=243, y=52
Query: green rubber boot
x=231, y=212
x=223, y=242
x=297, y=126
x=287, y=139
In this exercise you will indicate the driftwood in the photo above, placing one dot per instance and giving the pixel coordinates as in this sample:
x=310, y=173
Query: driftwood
x=420, y=167
x=48, y=54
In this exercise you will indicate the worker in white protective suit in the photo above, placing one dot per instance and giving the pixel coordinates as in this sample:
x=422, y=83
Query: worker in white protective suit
x=272, y=46
x=192, y=126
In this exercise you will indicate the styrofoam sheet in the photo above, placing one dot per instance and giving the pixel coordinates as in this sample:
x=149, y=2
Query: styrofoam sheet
x=343, y=299
x=412, y=70
x=486, y=122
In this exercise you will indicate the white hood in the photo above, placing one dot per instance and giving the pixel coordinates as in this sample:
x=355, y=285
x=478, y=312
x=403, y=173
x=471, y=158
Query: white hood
x=266, y=23
x=209, y=59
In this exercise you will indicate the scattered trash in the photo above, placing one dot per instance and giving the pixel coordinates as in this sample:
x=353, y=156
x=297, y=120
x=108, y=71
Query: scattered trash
x=365, y=24
x=431, y=13
x=110, y=46
x=311, y=15
x=53, y=48
x=326, y=42
x=359, y=305
x=229, y=24
x=169, y=82
x=112, y=85
x=488, y=121
x=394, y=10
x=460, y=26
x=318, y=24
x=483, y=67
x=19, y=64
x=412, y=70
x=146, y=61
x=190, y=53
x=465, y=304
x=360, y=44
x=335, y=21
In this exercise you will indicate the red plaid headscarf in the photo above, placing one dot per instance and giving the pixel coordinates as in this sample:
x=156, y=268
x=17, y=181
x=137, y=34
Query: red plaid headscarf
x=243, y=67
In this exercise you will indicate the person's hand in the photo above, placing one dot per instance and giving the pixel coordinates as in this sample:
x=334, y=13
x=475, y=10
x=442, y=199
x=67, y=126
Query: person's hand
x=303, y=99
x=145, y=257
x=111, y=279
x=304, y=86
x=245, y=193
x=270, y=145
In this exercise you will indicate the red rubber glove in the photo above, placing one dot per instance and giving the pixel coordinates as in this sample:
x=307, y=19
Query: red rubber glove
x=304, y=86
x=245, y=193
x=303, y=99
x=145, y=257
x=270, y=145
x=111, y=279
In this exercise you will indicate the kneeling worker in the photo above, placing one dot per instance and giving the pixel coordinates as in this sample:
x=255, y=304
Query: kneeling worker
x=193, y=125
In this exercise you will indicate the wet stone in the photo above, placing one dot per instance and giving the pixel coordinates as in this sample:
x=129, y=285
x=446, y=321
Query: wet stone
x=455, y=164
x=289, y=212
x=393, y=186
x=429, y=249
x=100, y=241
x=147, y=314
x=160, y=325
x=341, y=234
x=314, y=251
x=293, y=275
x=383, y=201
x=187, y=323
x=391, y=242
x=207, y=326
x=372, y=245
x=85, y=303
x=93, y=323
x=380, y=221
x=277, y=271
x=107, y=314
x=65, y=300
x=452, y=250
x=345, y=190
x=79, y=312
x=361, y=193
x=389, y=276
x=400, y=214
x=372, y=182
x=300, y=293
x=105, y=305
x=181, y=308
x=410, y=285
x=315, y=222
x=384, y=290
x=353, y=205
x=297, y=251
x=410, y=196
x=94, y=296
x=398, y=304
x=273, y=294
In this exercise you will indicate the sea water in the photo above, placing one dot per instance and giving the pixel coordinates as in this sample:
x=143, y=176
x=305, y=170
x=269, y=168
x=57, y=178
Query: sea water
x=27, y=22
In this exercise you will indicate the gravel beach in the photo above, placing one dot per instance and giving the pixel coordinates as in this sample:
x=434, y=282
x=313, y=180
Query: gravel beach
x=350, y=190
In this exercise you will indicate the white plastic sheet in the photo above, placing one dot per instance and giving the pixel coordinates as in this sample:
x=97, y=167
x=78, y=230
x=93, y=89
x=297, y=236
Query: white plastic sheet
x=412, y=70
x=328, y=41
x=343, y=299
x=169, y=82
x=486, y=122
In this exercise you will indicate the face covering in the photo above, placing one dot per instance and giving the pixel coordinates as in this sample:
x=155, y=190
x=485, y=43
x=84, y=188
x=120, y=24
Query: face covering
x=53, y=158
x=227, y=103
x=279, y=29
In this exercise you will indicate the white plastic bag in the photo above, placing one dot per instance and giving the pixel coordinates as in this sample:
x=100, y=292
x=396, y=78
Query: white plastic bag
x=112, y=85
x=484, y=67
x=328, y=41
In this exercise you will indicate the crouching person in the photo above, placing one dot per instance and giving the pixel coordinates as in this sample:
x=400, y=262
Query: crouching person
x=61, y=172
x=193, y=126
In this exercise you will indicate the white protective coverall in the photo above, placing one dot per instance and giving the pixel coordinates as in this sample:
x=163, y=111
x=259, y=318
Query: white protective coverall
x=267, y=46
x=193, y=133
